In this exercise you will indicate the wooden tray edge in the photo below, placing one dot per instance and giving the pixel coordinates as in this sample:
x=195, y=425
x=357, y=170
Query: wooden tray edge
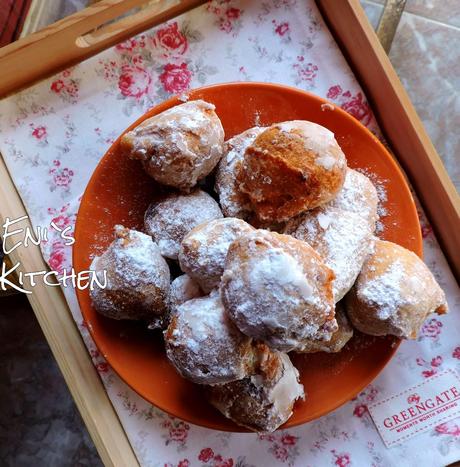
x=65, y=341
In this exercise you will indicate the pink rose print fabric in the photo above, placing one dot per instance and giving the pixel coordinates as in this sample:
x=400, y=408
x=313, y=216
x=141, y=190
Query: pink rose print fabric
x=53, y=135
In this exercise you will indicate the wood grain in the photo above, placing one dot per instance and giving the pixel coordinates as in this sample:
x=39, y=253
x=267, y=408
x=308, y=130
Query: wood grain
x=79, y=36
x=61, y=332
x=399, y=121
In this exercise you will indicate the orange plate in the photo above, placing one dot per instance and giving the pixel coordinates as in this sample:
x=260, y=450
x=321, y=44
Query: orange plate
x=119, y=193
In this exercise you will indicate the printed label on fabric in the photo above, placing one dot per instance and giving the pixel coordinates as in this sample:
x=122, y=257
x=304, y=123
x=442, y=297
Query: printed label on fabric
x=417, y=409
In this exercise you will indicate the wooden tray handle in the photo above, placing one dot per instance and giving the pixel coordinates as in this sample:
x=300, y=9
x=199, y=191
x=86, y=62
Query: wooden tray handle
x=79, y=36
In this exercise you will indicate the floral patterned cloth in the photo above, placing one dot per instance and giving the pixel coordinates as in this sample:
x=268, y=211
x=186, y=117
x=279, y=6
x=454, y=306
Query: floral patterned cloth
x=53, y=135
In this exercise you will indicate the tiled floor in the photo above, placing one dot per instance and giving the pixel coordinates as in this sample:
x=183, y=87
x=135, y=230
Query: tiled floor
x=39, y=424
x=426, y=55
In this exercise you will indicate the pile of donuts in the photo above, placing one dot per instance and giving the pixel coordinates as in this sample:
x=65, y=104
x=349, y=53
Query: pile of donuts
x=281, y=257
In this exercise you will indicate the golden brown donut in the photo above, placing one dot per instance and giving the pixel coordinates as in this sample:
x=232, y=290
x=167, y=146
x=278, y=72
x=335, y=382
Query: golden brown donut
x=277, y=289
x=342, y=238
x=264, y=401
x=204, y=345
x=232, y=201
x=203, y=251
x=338, y=340
x=394, y=293
x=291, y=167
x=179, y=146
x=168, y=221
x=137, y=278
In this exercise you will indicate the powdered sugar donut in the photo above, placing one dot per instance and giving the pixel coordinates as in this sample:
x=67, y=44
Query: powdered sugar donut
x=179, y=146
x=232, y=201
x=170, y=220
x=358, y=194
x=203, y=251
x=204, y=345
x=264, y=401
x=338, y=340
x=277, y=289
x=137, y=278
x=342, y=238
x=394, y=293
x=183, y=289
x=291, y=167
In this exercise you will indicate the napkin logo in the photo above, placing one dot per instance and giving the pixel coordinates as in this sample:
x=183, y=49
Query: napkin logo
x=413, y=399
x=18, y=237
x=417, y=409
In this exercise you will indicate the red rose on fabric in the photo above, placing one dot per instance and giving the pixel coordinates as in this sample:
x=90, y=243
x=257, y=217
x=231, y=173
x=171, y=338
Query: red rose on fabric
x=130, y=44
x=448, y=428
x=233, y=13
x=436, y=361
x=102, y=367
x=134, y=81
x=57, y=86
x=432, y=328
x=57, y=257
x=289, y=440
x=39, y=132
x=183, y=463
x=282, y=29
x=281, y=453
x=220, y=462
x=176, y=78
x=360, y=410
x=342, y=460
x=171, y=39
x=179, y=432
x=334, y=92
x=357, y=107
x=456, y=353
x=206, y=455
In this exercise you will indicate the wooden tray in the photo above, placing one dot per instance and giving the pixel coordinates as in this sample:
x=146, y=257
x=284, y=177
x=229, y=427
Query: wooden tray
x=80, y=36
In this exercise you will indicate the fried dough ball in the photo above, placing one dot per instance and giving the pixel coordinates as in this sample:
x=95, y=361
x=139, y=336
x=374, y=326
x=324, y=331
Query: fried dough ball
x=394, y=293
x=232, y=201
x=183, y=289
x=292, y=167
x=277, y=289
x=137, y=278
x=203, y=251
x=204, y=345
x=179, y=146
x=338, y=340
x=342, y=238
x=264, y=401
x=170, y=220
x=358, y=194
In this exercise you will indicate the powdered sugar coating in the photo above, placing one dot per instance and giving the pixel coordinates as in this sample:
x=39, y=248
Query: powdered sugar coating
x=264, y=401
x=179, y=146
x=170, y=220
x=183, y=289
x=232, y=201
x=137, y=278
x=277, y=289
x=338, y=340
x=204, y=345
x=203, y=251
x=394, y=293
x=342, y=238
x=359, y=195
